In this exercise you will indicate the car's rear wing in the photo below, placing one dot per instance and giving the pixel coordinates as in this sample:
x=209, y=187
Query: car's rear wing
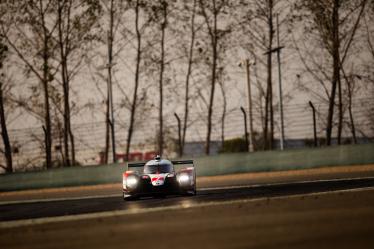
x=178, y=164
x=134, y=165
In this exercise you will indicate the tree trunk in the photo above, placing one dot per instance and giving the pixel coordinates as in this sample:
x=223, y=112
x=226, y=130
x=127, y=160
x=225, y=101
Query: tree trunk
x=179, y=135
x=107, y=129
x=48, y=138
x=350, y=97
x=341, y=114
x=66, y=123
x=223, y=117
x=189, y=68
x=4, y=134
x=67, y=99
x=268, y=144
x=162, y=64
x=349, y=87
x=137, y=72
x=72, y=146
x=336, y=67
x=64, y=44
x=266, y=119
x=110, y=84
x=65, y=86
x=353, y=129
x=45, y=80
x=47, y=120
x=214, y=39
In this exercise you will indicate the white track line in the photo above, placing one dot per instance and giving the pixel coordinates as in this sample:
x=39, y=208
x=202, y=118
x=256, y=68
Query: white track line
x=199, y=189
x=187, y=204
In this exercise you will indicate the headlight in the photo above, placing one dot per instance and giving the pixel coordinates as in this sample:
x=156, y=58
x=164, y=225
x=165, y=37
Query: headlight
x=124, y=183
x=183, y=178
x=131, y=181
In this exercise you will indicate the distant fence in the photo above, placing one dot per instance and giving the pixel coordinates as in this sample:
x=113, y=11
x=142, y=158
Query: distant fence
x=205, y=166
x=89, y=137
x=134, y=156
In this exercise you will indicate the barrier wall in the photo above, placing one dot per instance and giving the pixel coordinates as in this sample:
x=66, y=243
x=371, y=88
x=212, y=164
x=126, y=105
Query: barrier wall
x=285, y=160
x=205, y=166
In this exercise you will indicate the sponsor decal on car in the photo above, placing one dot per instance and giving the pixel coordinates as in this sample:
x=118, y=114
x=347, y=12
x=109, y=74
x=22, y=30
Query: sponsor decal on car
x=157, y=180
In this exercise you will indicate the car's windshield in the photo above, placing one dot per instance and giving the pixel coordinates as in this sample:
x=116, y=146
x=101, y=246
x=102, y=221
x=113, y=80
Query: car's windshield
x=158, y=169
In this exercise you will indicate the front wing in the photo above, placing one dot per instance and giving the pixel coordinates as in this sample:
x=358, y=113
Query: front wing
x=145, y=187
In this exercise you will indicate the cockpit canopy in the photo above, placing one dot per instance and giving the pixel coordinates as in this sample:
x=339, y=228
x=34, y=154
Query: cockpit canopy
x=158, y=167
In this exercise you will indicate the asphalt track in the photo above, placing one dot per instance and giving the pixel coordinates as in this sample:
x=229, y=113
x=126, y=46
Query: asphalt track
x=304, y=213
x=110, y=203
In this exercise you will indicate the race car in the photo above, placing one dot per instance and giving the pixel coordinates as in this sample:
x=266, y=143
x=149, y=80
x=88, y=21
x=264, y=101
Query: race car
x=159, y=177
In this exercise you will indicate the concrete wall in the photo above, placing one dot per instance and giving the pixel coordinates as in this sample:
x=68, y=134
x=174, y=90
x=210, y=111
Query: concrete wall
x=205, y=166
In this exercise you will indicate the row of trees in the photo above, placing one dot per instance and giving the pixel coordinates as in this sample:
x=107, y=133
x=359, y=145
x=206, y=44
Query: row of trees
x=191, y=45
x=49, y=38
x=335, y=26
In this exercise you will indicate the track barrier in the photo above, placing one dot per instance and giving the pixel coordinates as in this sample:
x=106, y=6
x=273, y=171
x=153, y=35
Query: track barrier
x=205, y=166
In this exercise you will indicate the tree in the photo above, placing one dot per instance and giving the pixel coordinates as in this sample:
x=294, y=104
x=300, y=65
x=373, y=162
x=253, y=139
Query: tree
x=4, y=130
x=110, y=121
x=35, y=18
x=224, y=108
x=210, y=12
x=134, y=102
x=255, y=19
x=158, y=13
x=334, y=24
x=75, y=21
x=164, y=7
x=269, y=90
x=188, y=77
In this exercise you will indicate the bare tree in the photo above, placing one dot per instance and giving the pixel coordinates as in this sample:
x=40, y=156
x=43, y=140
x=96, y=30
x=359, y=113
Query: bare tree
x=64, y=75
x=35, y=17
x=75, y=20
x=188, y=76
x=4, y=129
x=224, y=110
x=161, y=83
x=255, y=20
x=210, y=11
x=336, y=24
x=335, y=46
x=110, y=121
x=159, y=15
x=269, y=89
x=350, y=80
x=134, y=102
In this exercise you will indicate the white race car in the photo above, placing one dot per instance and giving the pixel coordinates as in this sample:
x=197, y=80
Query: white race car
x=159, y=177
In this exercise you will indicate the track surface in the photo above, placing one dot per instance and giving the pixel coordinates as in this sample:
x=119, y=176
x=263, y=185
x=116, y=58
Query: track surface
x=19, y=211
x=340, y=219
x=300, y=209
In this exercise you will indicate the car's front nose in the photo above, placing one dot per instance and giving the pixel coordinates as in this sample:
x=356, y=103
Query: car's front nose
x=152, y=185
